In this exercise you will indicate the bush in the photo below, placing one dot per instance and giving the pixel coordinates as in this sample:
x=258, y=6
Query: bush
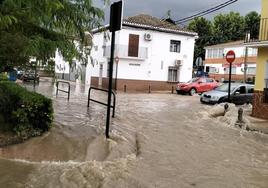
x=28, y=113
x=3, y=77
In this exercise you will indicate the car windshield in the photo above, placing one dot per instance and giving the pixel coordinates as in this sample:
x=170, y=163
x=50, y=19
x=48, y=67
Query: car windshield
x=193, y=80
x=224, y=88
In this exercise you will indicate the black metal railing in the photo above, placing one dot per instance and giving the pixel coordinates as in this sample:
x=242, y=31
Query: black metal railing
x=89, y=98
x=69, y=88
x=263, y=36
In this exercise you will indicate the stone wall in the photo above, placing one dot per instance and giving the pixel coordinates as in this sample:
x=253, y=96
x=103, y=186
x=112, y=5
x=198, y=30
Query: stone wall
x=260, y=108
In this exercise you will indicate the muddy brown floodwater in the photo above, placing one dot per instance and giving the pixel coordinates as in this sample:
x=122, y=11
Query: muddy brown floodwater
x=157, y=141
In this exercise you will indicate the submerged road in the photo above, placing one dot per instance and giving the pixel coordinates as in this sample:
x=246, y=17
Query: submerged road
x=157, y=141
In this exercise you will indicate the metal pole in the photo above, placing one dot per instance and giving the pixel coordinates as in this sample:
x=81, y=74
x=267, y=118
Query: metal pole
x=110, y=85
x=115, y=84
x=245, y=65
x=247, y=40
x=230, y=78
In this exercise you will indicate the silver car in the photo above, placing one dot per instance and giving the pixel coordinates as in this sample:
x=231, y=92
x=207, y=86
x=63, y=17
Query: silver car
x=240, y=94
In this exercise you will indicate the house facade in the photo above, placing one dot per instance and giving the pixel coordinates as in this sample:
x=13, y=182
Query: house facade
x=260, y=101
x=217, y=67
x=150, y=53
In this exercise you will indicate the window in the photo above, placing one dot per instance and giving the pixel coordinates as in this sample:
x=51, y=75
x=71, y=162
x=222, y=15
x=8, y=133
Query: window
x=212, y=70
x=215, y=53
x=250, y=90
x=108, y=68
x=133, y=45
x=172, y=74
x=209, y=53
x=251, y=70
x=175, y=46
x=226, y=70
x=241, y=90
x=209, y=80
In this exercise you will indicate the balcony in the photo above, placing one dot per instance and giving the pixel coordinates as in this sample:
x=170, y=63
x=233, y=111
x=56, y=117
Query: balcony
x=264, y=30
x=123, y=53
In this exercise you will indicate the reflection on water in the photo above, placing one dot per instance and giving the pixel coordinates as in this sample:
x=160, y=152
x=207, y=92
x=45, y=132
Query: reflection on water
x=157, y=140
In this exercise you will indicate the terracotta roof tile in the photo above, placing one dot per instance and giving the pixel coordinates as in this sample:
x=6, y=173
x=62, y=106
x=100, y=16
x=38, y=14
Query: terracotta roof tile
x=153, y=23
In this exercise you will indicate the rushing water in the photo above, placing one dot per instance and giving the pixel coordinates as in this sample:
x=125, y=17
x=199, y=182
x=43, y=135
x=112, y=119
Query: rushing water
x=157, y=140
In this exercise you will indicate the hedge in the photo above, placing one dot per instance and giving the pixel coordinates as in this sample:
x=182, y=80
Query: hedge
x=28, y=114
x=3, y=77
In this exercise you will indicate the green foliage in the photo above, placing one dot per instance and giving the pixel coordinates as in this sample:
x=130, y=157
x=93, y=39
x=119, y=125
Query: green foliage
x=223, y=28
x=3, y=77
x=252, y=24
x=204, y=29
x=38, y=28
x=228, y=27
x=28, y=113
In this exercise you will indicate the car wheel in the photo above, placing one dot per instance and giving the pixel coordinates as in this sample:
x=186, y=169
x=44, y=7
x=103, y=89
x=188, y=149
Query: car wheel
x=192, y=91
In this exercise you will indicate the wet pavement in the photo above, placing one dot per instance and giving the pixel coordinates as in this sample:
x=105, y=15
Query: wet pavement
x=157, y=141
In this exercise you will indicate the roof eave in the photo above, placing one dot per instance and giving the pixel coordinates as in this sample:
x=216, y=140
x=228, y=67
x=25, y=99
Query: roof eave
x=181, y=32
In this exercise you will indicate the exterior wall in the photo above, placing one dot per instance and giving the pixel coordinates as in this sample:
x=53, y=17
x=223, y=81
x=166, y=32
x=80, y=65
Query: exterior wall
x=260, y=76
x=154, y=67
x=264, y=11
x=220, y=63
x=260, y=108
x=136, y=85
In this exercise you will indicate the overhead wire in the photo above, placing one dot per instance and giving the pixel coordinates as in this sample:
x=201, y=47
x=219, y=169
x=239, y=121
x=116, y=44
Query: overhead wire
x=200, y=14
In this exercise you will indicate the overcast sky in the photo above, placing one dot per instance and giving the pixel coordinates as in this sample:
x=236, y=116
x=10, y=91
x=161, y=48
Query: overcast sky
x=182, y=8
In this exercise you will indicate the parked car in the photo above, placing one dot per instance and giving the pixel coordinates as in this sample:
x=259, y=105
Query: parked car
x=30, y=75
x=240, y=94
x=197, y=85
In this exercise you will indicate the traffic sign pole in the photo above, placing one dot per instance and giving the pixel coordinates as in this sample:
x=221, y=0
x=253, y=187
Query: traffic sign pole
x=230, y=57
x=229, y=87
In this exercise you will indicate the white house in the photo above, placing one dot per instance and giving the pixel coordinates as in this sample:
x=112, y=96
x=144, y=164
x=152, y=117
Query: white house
x=217, y=67
x=151, y=52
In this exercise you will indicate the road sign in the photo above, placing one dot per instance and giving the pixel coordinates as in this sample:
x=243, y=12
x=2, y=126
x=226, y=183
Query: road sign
x=230, y=56
x=116, y=16
x=116, y=59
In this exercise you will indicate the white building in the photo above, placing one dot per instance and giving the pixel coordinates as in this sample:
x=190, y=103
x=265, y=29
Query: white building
x=217, y=67
x=151, y=52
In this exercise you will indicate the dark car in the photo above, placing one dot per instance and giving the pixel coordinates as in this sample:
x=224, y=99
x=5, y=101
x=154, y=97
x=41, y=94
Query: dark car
x=197, y=85
x=30, y=75
x=240, y=94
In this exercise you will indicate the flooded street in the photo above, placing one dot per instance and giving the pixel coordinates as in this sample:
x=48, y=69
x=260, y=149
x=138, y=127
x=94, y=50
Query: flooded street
x=157, y=141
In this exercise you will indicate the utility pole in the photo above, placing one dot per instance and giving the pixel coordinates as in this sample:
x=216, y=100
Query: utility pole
x=247, y=40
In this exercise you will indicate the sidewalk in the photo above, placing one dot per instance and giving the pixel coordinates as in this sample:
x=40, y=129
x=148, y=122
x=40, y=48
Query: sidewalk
x=258, y=124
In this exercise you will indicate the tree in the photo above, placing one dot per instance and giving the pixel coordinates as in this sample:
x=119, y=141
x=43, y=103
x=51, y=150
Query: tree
x=228, y=27
x=203, y=27
x=30, y=28
x=252, y=24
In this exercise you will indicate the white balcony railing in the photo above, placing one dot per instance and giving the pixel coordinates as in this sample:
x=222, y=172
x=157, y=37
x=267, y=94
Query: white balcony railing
x=122, y=52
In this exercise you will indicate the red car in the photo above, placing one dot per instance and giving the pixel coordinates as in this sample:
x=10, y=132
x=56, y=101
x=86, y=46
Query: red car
x=197, y=85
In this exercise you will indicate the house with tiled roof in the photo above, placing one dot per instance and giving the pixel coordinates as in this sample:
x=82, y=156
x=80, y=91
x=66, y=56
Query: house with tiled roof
x=217, y=67
x=150, y=53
